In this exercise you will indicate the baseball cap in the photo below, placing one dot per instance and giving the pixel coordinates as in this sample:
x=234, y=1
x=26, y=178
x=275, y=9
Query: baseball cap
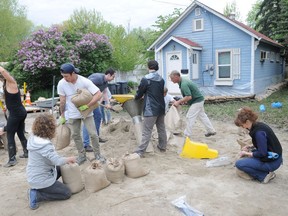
x=68, y=68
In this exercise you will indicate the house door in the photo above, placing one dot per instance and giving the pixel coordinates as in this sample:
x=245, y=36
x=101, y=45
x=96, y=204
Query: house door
x=195, y=65
x=174, y=62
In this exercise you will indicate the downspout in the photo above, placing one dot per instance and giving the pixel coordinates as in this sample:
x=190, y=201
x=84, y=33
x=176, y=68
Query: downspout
x=254, y=46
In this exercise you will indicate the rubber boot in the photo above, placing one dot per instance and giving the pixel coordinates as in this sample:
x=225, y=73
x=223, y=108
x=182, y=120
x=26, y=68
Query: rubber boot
x=25, y=151
x=12, y=157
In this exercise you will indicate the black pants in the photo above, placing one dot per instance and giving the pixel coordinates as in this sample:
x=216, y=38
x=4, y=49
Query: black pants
x=15, y=124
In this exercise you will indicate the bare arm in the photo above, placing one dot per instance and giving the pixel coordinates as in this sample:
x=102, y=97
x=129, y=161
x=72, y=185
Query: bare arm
x=96, y=97
x=182, y=101
x=11, y=84
x=62, y=105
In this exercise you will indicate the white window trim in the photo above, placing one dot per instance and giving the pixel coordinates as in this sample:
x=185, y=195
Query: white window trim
x=194, y=24
x=234, y=67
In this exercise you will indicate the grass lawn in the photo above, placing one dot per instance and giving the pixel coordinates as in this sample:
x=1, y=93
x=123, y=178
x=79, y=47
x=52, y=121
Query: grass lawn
x=277, y=117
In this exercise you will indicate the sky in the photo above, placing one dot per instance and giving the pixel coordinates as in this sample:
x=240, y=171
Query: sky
x=128, y=13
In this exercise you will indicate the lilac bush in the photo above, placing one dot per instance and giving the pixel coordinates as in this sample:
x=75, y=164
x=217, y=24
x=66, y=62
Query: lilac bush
x=41, y=55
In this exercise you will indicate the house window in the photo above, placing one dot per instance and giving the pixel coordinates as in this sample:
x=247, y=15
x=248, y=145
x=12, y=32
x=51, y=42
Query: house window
x=174, y=57
x=263, y=55
x=198, y=25
x=194, y=58
x=197, y=12
x=228, y=66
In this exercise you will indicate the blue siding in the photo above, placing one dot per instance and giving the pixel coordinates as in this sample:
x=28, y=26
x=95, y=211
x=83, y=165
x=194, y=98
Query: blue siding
x=219, y=34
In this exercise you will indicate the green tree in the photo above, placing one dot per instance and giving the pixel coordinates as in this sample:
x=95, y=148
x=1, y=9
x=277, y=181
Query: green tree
x=251, y=19
x=127, y=47
x=232, y=9
x=14, y=27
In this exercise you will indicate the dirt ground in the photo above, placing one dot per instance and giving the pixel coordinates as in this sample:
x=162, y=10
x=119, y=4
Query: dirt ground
x=211, y=190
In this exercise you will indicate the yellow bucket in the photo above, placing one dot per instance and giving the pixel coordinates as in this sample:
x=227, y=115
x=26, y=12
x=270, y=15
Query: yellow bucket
x=122, y=98
x=197, y=150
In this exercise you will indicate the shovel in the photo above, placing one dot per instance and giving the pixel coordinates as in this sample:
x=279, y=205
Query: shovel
x=115, y=108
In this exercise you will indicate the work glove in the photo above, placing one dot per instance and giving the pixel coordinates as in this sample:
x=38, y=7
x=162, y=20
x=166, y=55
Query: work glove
x=62, y=120
x=83, y=107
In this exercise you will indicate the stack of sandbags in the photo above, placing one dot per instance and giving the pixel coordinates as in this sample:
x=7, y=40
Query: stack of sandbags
x=71, y=177
x=95, y=177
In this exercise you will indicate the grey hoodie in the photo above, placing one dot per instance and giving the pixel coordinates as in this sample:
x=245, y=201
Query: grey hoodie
x=42, y=161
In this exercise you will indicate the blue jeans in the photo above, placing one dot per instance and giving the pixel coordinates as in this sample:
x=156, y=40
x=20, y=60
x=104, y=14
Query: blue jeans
x=256, y=168
x=106, y=114
x=97, y=119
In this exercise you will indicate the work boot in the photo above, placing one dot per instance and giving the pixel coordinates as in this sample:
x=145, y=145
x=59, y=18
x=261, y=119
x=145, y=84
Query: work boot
x=102, y=140
x=25, y=154
x=100, y=158
x=81, y=159
x=12, y=162
x=24, y=146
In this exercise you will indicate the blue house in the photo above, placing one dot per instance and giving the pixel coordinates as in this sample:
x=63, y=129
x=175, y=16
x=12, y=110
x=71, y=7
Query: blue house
x=221, y=55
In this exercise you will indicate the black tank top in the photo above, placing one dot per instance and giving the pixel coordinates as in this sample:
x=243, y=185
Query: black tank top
x=13, y=102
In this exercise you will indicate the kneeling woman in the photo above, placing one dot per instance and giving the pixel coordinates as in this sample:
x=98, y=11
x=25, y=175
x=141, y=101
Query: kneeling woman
x=265, y=156
x=43, y=164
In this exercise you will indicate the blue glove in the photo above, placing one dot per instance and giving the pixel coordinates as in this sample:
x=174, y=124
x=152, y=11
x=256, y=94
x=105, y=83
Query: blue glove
x=83, y=107
x=273, y=155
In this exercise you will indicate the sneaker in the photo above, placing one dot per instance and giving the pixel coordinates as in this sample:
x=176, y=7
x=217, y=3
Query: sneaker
x=32, y=198
x=88, y=148
x=102, y=140
x=25, y=155
x=100, y=158
x=11, y=162
x=269, y=176
x=160, y=149
x=210, y=134
x=140, y=155
x=80, y=160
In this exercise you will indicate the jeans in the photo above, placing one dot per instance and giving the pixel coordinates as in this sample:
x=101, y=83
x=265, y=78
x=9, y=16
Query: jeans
x=148, y=123
x=57, y=191
x=256, y=168
x=97, y=119
x=106, y=114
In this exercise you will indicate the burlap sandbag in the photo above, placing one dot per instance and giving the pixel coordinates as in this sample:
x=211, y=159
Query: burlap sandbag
x=63, y=136
x=115, y=170
x=71, y=177
x=173, y=120
x=83, y=97
x=95, y=178
x=133, y=166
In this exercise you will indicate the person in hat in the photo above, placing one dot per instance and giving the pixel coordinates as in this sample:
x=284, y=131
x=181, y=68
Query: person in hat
x=16, y=118
x=193, y=97
x=260, y=160
x=101, y=81
x=152, y=88
x=66, y=88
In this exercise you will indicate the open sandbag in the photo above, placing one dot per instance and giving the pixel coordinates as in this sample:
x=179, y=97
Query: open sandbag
x=134, y=166
x=115, y=170
x=63, y=136
x=71, y=177
x=95, y=178
x=173, y=120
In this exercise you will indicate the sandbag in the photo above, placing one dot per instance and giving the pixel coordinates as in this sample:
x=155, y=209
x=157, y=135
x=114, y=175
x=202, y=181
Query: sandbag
x=172, y=119
x=71, y=177
x=63, y=136
x=115, y=170
x=82, y=97
x=133, y=166
x=95, y=178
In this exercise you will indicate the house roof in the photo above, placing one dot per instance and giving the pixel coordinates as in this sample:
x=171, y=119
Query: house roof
x=235, y=23
x=183, y=41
